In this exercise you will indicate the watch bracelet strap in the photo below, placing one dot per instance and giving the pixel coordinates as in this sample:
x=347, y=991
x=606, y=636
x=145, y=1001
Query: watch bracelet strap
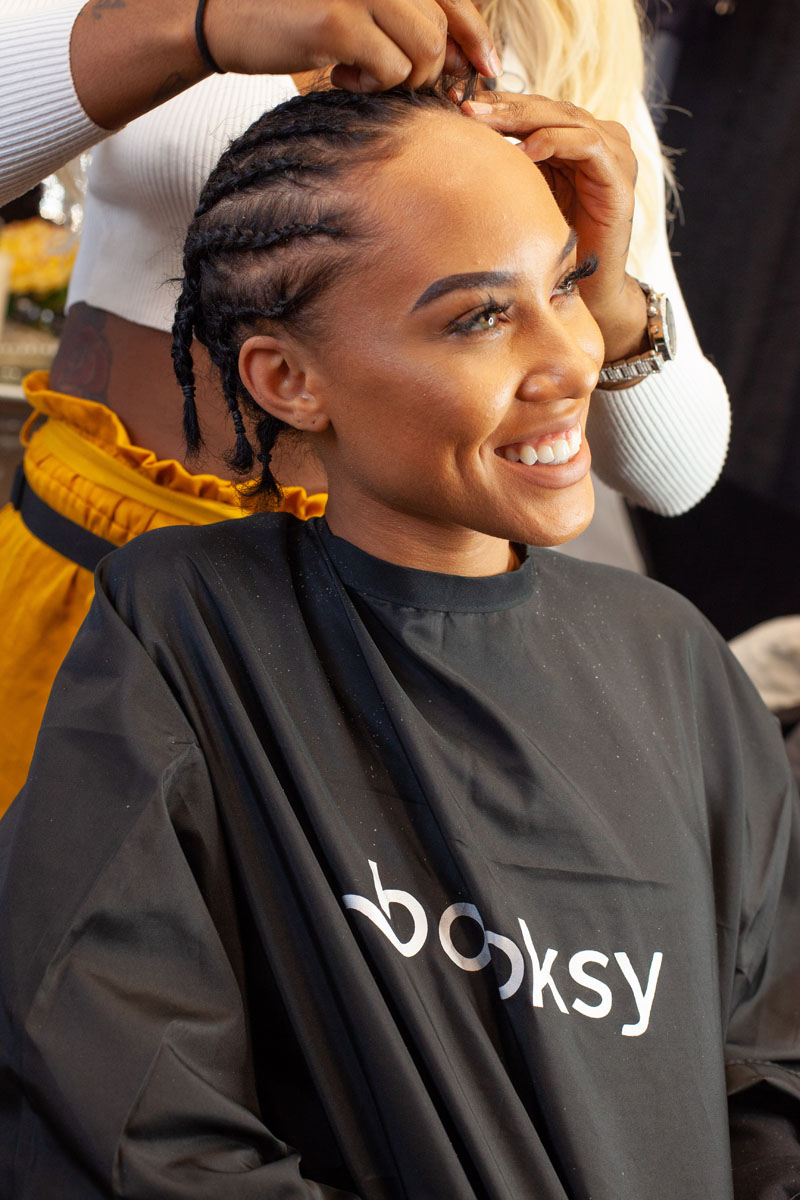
x=636, y=368
x=642, y=365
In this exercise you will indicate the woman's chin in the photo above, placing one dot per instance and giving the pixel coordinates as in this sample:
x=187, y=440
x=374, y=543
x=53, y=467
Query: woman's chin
x=562, y=539
x=556, y=519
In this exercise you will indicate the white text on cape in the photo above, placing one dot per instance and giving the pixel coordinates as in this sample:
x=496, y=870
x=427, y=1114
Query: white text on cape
x=541, y=967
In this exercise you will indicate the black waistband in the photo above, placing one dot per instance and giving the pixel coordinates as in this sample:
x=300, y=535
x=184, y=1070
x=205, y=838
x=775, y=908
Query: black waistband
x=57, y=532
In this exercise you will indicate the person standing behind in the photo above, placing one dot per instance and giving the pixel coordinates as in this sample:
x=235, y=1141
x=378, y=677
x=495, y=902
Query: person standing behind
x=71, y=72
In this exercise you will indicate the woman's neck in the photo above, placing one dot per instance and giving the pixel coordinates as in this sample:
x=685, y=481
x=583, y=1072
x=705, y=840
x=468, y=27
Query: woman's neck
x=419, y=543
x=103, y=357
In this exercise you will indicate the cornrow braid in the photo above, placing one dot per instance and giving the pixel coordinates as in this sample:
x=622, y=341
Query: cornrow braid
x=269, y=234
x=295, y=127
x=232, y=239
x=231, y=181
x=190, y=321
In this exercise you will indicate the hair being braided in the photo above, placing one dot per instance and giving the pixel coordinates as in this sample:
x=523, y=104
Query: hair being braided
x=270, y=232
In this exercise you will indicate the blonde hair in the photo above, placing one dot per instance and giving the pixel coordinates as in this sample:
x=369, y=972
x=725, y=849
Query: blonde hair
x=591, y=54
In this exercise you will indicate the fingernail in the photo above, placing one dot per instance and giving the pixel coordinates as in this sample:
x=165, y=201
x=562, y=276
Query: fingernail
x=478, y=107
x=495, y=64
x=368, y=83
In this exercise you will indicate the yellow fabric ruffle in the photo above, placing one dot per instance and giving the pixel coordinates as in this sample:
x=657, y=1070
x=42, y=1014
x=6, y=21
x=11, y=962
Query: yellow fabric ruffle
x=82, y=463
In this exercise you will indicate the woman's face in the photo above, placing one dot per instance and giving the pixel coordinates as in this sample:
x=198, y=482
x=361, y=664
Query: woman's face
x=455, y=366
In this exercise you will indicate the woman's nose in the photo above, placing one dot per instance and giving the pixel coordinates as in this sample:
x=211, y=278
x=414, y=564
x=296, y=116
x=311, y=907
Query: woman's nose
x=565, y=361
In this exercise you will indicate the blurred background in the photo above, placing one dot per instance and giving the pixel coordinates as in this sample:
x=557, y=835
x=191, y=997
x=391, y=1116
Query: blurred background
x=39, y=235
x=726, y=96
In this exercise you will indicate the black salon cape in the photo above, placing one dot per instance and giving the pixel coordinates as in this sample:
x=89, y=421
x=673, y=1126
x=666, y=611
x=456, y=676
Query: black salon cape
x=334, y=878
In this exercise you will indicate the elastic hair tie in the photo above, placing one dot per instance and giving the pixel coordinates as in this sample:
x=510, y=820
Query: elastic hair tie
x=202, y=44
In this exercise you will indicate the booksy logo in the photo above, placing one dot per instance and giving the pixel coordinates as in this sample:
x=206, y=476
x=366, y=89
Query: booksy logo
x=596, y=1005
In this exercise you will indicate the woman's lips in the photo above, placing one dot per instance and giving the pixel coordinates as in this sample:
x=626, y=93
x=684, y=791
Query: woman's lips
x=544, y=471
x=556, y=448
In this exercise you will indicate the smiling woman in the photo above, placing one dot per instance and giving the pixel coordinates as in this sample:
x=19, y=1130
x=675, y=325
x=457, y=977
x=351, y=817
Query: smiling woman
x=390, y=855
x=479, y=379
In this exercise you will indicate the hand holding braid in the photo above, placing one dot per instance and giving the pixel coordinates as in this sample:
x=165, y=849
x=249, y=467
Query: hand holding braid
x=371, y=44
x=127, y=58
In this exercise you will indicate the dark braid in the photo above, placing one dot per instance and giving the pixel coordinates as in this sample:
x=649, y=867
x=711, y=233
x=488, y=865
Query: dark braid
x=232, y=239
x=272, y=193
x=259, y=173
x=182, y=331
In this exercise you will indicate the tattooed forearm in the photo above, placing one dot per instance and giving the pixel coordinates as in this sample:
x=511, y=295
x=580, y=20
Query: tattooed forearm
x=173, y=85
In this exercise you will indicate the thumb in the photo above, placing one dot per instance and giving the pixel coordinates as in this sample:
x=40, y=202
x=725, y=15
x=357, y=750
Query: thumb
x=354, y=79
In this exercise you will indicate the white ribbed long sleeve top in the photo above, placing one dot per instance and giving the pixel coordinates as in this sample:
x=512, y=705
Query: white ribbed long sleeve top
x=661, y=443
x=42, y=123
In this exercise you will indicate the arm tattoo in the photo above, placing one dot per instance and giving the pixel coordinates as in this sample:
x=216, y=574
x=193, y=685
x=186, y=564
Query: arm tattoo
x=173, y=85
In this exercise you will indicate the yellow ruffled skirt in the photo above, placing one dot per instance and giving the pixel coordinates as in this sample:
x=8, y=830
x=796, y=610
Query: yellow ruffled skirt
x=80, y=461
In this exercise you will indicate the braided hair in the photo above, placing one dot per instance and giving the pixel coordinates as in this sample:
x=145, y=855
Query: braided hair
x=269, y=234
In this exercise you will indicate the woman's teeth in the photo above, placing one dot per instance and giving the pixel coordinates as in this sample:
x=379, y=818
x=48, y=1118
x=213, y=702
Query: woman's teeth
x=556, y=450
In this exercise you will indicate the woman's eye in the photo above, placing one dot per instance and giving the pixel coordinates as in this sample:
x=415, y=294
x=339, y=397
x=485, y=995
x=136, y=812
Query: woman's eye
x=569, y=284
x=485, y=320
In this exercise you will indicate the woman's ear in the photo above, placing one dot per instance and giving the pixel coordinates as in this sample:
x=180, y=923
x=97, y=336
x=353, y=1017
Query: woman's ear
x=272, y=370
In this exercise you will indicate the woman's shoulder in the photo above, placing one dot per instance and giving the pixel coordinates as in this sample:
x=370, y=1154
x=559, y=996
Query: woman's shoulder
x=189, y=540
x=641, y=629
x=618, y=599
x=184, y=554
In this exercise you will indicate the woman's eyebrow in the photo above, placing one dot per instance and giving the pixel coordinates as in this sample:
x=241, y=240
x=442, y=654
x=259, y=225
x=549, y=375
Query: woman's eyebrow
x=471, y=279
x=477, y=279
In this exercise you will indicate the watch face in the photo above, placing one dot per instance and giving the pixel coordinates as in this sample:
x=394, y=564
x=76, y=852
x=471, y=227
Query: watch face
x=670, y=337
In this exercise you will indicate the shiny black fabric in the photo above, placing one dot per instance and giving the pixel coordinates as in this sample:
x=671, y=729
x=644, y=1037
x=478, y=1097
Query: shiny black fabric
x=337, y=879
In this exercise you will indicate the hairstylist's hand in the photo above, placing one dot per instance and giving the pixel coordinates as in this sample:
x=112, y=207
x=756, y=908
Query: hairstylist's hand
x=591, y=169
x=371, y=44
x=127, y=58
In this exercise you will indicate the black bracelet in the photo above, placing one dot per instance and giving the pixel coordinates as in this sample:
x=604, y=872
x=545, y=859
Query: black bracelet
x=202, y=44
